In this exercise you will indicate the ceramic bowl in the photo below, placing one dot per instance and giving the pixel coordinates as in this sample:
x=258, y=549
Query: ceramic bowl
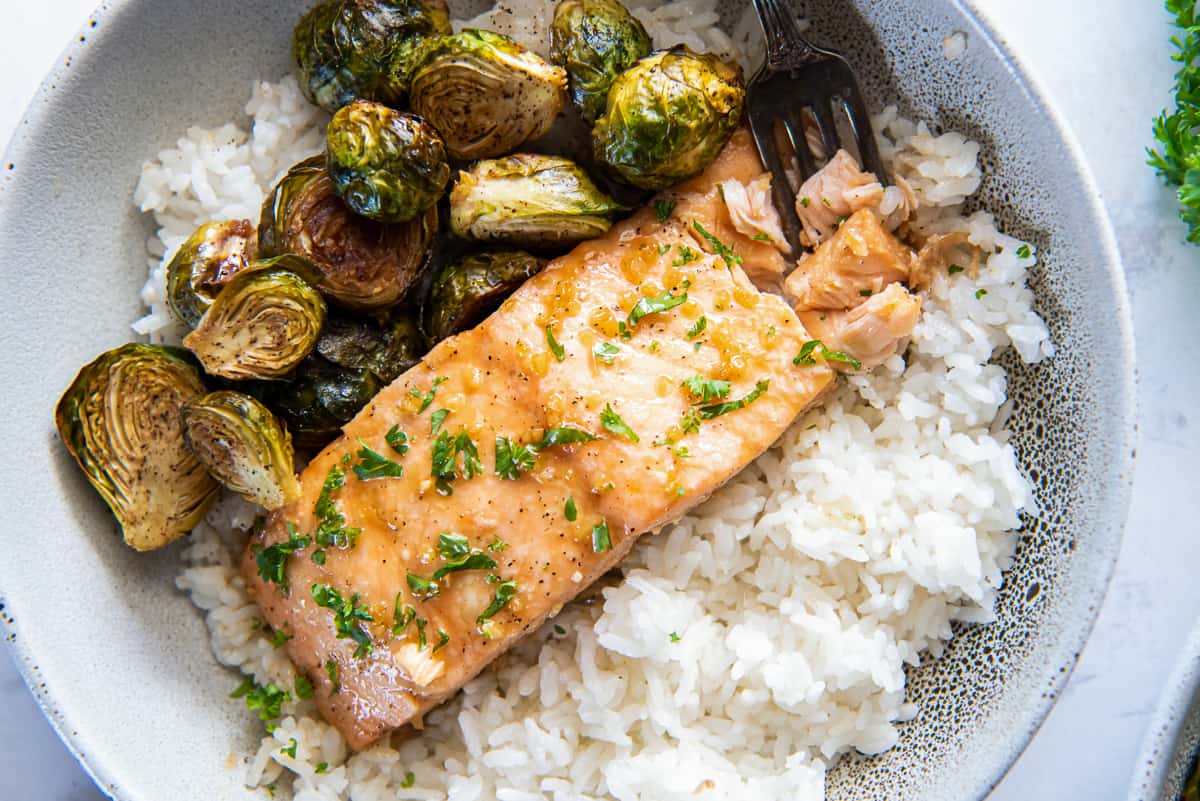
x=119, y=659
x=1172, y=742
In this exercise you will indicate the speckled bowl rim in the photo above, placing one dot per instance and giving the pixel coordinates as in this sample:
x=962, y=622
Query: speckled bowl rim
x=89, y=754
x=1166, y=752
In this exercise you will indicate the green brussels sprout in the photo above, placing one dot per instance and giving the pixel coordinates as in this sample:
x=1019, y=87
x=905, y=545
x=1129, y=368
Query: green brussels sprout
x=243, y=446
x=346, y=50
x=364, y=264
x=466, y=291
x=387, y=349
x=318, y=399
x=486, y=94
x=595, y=41
x=264, y=322
x=209, y=258
x=529, y=200
x=386, y=165
x=668, y=117
x=120, y=420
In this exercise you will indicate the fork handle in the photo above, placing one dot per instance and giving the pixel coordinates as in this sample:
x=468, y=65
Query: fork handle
x=787, y=49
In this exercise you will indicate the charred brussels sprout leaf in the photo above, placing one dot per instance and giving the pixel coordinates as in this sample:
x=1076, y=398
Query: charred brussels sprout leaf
x=263, y=324
x=363, y=264
x=386, y=165
x=485, y=94
x=668, y=117
x=346, y=50
x=207, y=261
x=530, y=201
x=120, y=419
x=595, y=41
x=243, y=446
x=465, y=292
x=318, y=399
x=386, y=348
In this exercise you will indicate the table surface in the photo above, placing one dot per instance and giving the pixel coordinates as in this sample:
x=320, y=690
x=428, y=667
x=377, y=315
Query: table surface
x=1105, y=64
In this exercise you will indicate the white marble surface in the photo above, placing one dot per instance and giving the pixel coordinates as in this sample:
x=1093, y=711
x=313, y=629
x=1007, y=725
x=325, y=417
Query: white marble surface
x=1105, y=63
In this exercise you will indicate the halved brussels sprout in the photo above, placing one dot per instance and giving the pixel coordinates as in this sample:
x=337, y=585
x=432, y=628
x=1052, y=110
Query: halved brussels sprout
x=263, y=324
x=318, y=399
x=595, y=41
x=485, y=94
x=347, y=50
x=386, y=165
x=465, y=292
x=364, y=264
x=668, y=117
x=243, y=446
x=120, y=420
x=529, y=200
x=387, y=348
x=207, y=261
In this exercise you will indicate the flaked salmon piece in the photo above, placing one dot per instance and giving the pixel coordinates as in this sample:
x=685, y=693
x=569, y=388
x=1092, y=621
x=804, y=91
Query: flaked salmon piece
x=753, y=212
x=670, y=357
x=871, y=331
x=841, y=188
x=859, y=261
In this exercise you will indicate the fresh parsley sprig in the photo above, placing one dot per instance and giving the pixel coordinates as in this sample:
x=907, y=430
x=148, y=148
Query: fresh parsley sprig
x=1177, y=159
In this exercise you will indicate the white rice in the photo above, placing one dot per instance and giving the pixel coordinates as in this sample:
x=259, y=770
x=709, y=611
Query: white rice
x=750, y=644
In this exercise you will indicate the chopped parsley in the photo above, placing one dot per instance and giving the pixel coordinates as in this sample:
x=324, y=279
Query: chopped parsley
x=1024, y=252
x=719, y=247
x=409, y=780
x=513, y=459
x=348, y=617
x=304, y=687
x=761, y=237
x=402, y=615
x=698, y=329
x=272, y=560
x=436, y=419
x=663, y=208
x=613, y=422
x=427, y=398
x=373, y=464
x=718, y=409
x=504, y=594
x=444, y=460
x=663, y=249
x=569, y=510
x=422, y=588
x=322, y=767
x=331, y=670
x=606, y=352
x=865, y=293
x=681, y=451
x=979, y=293
x=459, y=555
x=443, y=641
x=659, y=303
x=955, y=268
x=809, y=351
x=290, y=748
x=558, y=350
x=559, y=630
x=267, y=700
x=331, y=523
x=675, y=637
x=564, y=436
x=421, y=634
x=805, y=202
x=498, y=546
x=690, y=423
x=707, y=390
x=601, y=539
x=686, y=256
x=279, y=638
x=397, y=440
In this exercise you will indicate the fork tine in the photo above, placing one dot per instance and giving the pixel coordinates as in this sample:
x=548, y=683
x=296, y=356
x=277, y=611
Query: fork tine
x=762, y=125
x=826, y=125
x=793, y=124
x=864, y=134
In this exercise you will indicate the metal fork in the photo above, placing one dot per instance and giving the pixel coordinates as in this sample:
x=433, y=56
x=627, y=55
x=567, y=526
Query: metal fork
x=798, y=76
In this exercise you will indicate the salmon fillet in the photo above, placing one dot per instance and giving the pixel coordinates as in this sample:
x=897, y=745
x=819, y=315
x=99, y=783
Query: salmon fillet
x=679, y=400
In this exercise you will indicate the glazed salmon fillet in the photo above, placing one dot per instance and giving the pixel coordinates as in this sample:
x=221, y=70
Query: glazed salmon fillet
x=651, y=339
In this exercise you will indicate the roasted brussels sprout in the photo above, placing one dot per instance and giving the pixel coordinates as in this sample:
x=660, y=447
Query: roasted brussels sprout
x=595, y=41
x=318, y=399
x=485, y=94
x=209, y=258
x=668, y=116
x=529, y=200
x=386, y=165
x=465, y=292
x=386, y=349
x=264, y=322
x=364, y=264
x=347, y=50
x=243, y=446
x=120, y=420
